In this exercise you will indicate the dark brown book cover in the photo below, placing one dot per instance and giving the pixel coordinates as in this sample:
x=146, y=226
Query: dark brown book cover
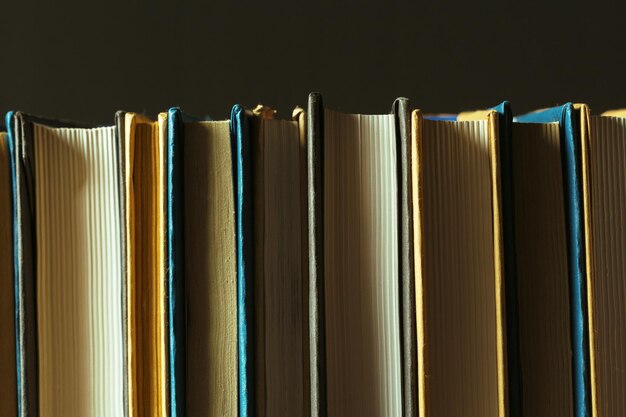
x=315, y=189
x=315, y=179
x=408, y=326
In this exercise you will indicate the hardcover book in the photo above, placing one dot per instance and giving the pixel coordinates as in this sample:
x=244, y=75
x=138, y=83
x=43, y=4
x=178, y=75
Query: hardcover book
x=68, y=268
x=202, y=285
x=603, y=146
x=459, y=264
x=360, y=262
x=551, y=267
x=145, y=267
x=271, y=262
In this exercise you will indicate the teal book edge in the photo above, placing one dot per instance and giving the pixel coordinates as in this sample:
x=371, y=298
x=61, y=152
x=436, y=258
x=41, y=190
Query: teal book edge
x=10, y=125
x=242, y=163
x=568, y=117
x=175, y=257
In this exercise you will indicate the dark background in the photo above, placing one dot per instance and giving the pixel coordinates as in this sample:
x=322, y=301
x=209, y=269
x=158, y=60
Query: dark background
x=86, y=59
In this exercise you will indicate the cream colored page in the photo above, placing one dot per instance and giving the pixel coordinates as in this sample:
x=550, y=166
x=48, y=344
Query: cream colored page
x=542, y=275
x=210, y=275
x=79, y=275
x=607, y=155
x=8, y=382
x=458, y=270
x=283, y=280
x=361, y=271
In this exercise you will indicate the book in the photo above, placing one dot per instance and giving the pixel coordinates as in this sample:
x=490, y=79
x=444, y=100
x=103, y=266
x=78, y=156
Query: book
x=459, y=256
x=202, y=267
x=355, y=170
x=145, y=234
x=551, y=262
x=271, y=234
x=331, y=263
x=603, y=181
x=504, y=118
x=8, y=382
x=69, y=324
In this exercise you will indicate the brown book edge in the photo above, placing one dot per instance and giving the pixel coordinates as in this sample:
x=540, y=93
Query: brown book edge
x=315, y=200
x=407, y=263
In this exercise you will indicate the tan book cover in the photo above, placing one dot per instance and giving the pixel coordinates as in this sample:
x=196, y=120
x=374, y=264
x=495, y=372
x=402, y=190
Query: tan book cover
x=459, y=286
x=603, y=148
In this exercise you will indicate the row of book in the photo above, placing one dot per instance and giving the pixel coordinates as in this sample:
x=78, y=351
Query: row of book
x=334, y=264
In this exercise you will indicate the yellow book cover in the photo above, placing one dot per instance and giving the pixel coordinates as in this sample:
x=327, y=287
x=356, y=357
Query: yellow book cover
x=144, y=149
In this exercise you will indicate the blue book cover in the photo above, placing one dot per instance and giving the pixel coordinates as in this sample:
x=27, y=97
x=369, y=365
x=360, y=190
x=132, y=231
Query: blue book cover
x=241, y=146
x=567, y=118
x=23, y=273
x=175, y=256
x=11, y=142
x=11, y=155
x=175, y=259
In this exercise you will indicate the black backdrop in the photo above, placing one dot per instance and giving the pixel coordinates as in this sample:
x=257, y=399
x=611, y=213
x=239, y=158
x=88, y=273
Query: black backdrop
x=85, y=59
